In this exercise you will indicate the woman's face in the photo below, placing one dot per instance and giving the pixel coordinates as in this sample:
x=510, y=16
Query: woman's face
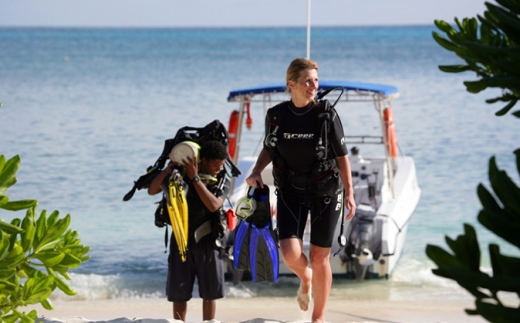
x=304, y=89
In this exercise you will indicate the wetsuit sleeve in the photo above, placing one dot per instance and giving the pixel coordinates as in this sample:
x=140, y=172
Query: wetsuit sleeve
x=337, y=136
x=267, y=128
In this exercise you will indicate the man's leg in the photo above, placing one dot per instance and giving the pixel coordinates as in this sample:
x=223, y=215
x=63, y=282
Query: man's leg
x=209, y=309
x=179, y=310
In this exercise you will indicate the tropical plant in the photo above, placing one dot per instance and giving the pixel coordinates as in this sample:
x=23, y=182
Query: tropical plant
x=35, y=253
x=492, y=50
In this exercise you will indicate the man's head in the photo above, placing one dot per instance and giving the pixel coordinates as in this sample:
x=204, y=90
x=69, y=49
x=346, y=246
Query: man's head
x=213, y=155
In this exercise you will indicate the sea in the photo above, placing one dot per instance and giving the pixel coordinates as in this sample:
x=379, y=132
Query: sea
x=88, y=110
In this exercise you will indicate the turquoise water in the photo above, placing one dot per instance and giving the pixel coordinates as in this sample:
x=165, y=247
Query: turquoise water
x=88, y=110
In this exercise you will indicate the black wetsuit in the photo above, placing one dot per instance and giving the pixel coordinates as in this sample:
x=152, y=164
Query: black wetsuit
x=296, y=167
x=204, y=259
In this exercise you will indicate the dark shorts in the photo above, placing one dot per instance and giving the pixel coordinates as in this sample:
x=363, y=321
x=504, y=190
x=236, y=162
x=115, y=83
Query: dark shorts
x=292, y=213
x=204, y=262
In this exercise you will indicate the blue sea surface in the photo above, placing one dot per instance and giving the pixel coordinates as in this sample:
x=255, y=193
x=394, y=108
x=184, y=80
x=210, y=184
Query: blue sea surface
x=88, y=111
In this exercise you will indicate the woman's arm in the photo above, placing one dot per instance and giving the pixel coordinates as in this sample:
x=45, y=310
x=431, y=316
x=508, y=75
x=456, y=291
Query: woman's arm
x=346, y=178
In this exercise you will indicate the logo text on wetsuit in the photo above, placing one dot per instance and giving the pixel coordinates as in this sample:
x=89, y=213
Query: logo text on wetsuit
x=298, y=135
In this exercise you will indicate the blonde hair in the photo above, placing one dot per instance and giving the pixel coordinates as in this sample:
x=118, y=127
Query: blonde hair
x=296, y=67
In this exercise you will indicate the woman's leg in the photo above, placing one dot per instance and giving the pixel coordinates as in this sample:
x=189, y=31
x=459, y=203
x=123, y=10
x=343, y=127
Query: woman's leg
x=321, y=280
x=295, y=260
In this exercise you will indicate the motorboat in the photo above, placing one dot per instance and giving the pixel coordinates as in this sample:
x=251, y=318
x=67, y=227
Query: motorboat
x=385, y=184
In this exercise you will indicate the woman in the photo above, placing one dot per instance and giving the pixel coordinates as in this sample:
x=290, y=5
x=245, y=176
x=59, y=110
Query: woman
x=294, y=134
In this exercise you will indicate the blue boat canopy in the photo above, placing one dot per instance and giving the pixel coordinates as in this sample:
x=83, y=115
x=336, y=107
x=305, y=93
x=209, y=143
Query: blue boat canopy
x=385, y=90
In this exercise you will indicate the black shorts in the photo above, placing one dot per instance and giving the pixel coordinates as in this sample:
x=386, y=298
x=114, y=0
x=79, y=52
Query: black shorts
x=292, y=213
x=203, y=261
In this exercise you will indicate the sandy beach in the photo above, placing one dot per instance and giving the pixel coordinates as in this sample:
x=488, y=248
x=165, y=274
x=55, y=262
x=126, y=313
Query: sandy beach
x=259, y=310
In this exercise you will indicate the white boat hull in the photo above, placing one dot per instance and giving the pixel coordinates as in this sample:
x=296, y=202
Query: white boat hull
x=385, y=215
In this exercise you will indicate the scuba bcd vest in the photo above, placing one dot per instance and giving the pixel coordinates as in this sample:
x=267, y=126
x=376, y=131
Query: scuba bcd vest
x=215, y=130
x=212, y=131
x=323, y=178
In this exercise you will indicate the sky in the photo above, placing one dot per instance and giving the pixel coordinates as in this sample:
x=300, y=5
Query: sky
x=231, y=13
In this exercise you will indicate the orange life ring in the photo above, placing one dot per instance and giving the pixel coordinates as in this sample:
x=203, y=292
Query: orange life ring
x=232, y=133
x=391, y=139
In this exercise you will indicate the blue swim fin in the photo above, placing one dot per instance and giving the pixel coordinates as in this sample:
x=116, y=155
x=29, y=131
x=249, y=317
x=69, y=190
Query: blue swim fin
x=241, y=246
x=263, y=251
x=263, y=243
x=256, y=244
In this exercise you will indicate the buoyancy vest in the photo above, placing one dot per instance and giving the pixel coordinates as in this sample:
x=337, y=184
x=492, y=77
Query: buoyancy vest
x=303, y=143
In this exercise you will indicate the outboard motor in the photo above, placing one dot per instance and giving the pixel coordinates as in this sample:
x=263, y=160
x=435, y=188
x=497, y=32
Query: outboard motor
x=363, y=247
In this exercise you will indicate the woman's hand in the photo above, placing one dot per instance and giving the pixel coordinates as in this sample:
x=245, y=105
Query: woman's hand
x=255, y=179
x=350, y=205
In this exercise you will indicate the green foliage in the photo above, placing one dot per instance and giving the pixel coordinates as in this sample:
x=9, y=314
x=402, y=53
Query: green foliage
x=500, y=214
x=35, y=253
x=491, y=50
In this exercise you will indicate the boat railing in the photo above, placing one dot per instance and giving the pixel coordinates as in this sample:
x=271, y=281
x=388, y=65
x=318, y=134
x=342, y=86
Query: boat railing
x=376, y=140
x=350, y=96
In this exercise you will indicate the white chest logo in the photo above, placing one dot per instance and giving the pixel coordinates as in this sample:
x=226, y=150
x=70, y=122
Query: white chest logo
x=298, y=135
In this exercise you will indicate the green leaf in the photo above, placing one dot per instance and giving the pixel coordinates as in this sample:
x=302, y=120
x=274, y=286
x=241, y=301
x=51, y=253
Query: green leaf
x=501, y=227
x=466, y=248
x=7, y=185
x=63, y=286
x=10, y=228
x=43, y=282
x=19, y=205
x=497, y=312
x=4, y=244
x=2, y=163
x=38, y=297
x=443, y=26
x=454, y=68
x=445, y=43
x=47, y=304
x=54, y=234
x=52, y=219
x=41, y=227
x=24, y=317
x=27, y=236
x=504, y=16
x=506, y=108
x=505, y=189
x=11, y=318
x=50, y=258
x=488, y=201
x=9, y=170
x=441, y=257
x=70, y=261
x=7, y=273
x=13, y=258
x=3, y=199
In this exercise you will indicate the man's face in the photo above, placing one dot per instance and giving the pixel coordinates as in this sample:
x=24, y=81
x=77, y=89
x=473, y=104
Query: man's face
x=211, y=166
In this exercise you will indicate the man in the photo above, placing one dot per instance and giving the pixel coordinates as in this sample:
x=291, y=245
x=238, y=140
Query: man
x=204, y=258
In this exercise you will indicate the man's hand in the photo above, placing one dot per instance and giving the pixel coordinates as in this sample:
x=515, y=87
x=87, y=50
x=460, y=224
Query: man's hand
x=191, y=167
